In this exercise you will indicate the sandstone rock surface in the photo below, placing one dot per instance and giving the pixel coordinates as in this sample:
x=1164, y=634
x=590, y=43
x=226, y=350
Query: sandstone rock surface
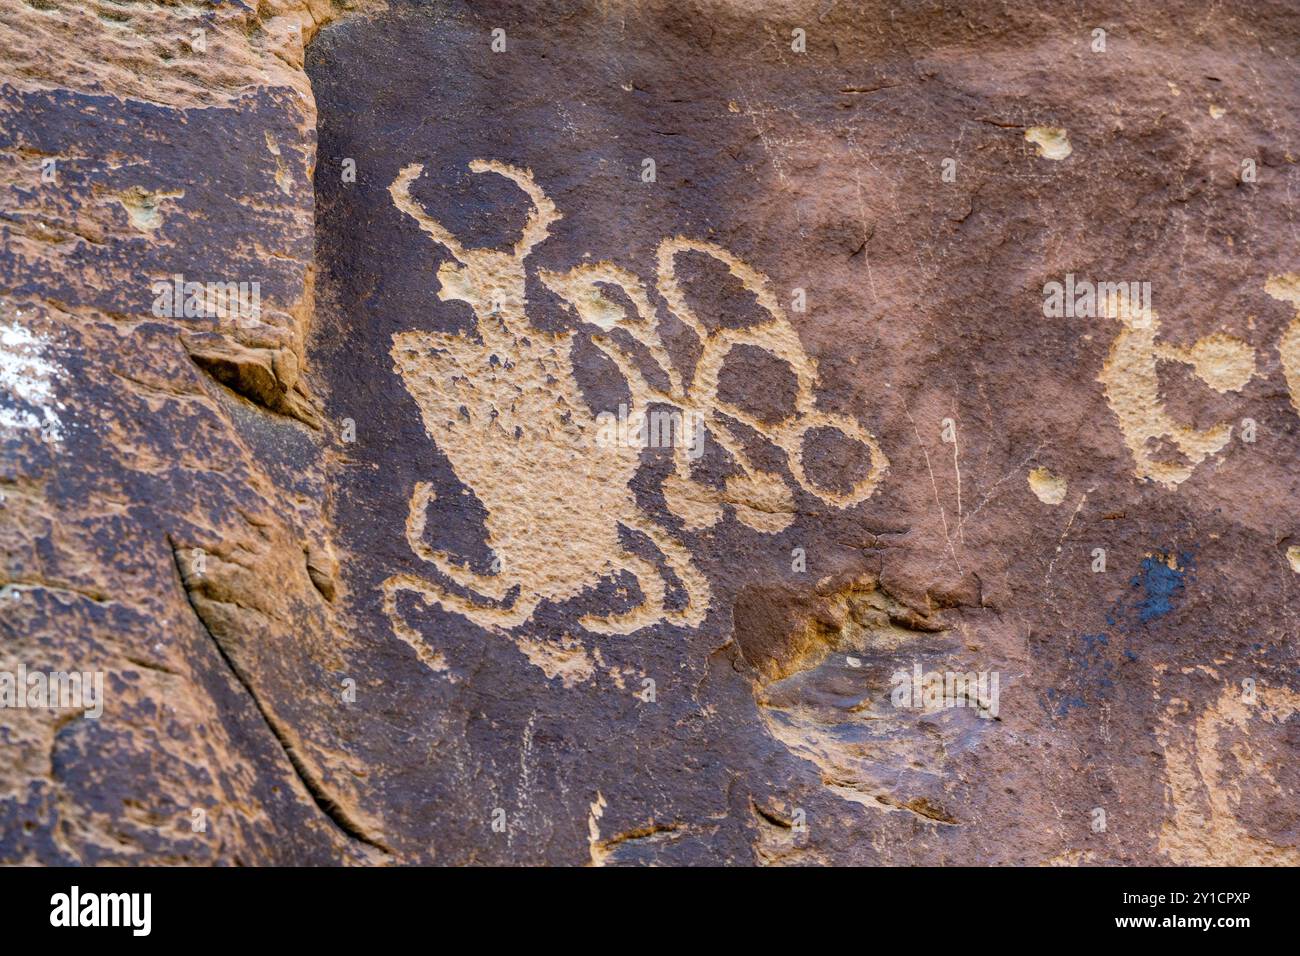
x=376, y=570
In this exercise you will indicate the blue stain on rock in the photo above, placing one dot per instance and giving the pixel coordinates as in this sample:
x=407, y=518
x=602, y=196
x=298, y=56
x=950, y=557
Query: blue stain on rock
x=1092, y=643
x=1159, y=587
x=1092, y=666
x=1089, y=677
x=1061, y=703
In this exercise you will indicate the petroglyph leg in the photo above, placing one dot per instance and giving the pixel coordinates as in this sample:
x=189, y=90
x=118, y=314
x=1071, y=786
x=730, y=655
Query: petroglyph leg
x=653, y=609
x=494, y=587
x=434, y=594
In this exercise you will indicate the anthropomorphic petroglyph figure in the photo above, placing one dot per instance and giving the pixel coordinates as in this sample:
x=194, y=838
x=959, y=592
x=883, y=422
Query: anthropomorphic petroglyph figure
x=1222, y=768
x=1132, y=384
x=505, y=408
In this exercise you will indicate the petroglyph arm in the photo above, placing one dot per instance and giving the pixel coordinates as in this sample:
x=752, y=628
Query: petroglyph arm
x=544, y=214
x=400, y=190
x=536, y=226
x=580, y=288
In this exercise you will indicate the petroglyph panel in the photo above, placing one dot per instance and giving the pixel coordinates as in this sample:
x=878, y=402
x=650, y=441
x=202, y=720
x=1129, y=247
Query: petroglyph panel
x=505, y=408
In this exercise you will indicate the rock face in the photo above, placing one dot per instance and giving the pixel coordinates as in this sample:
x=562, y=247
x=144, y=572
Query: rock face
x=650, y=433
